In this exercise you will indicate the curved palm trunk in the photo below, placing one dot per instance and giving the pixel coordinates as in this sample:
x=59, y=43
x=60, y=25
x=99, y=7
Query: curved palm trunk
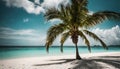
x=75, y=41
x=77, y=52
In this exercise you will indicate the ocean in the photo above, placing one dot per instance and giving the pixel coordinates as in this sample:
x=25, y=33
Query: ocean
x=10, y=52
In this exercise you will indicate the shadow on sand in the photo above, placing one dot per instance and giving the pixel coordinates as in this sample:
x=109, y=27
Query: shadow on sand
x=60, y=61
x=90, y=63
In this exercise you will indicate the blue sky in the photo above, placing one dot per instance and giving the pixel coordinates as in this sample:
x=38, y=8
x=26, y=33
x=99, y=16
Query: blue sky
x=22, y=22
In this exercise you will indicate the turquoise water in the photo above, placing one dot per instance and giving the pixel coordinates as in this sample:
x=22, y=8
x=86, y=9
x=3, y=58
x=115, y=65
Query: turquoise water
x=33, y=51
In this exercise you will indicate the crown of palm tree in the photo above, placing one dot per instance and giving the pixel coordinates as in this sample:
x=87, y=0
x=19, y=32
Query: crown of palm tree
x=75, y=22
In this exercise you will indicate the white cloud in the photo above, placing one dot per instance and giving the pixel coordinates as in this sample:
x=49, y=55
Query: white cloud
x=27, y=5
x=9, y=31
x=110, y=36
x=55, y=21
x=27, y=35
x=25, y=20
x=33, y=37
x=53, y=3
x=37, y=1
x=90, y=12
x=34, y=7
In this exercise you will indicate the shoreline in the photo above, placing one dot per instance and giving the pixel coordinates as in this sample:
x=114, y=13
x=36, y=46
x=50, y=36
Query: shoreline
x=61, y=61
x=52, y=55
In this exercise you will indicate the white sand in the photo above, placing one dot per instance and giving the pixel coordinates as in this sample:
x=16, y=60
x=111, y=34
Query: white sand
x=107, y=60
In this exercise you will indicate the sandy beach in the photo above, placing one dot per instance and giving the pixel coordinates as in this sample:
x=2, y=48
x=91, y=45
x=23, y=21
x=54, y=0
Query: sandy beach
x=107, y=60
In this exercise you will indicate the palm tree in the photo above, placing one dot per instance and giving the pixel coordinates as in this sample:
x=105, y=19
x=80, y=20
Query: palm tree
x=75, y=22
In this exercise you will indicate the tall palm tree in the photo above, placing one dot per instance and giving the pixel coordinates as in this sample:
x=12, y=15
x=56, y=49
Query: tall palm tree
x=75, y=22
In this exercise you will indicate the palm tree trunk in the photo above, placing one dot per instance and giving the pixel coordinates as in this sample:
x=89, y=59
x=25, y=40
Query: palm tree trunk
x=77, y=52
x=75, y=41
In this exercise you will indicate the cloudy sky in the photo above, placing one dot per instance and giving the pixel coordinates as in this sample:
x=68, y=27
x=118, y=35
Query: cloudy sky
x=22, y=22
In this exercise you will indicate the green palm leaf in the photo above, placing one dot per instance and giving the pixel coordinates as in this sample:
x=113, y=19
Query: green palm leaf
x=52, y=13
x=53, y=32
x=63, y=39
x=85, y=39
x=99, y=17
x=95, y=37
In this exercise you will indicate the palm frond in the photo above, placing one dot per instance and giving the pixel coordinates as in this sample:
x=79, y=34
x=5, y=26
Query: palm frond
x=53, y=32
x=94, y=36
x=79, y=10
x=99, y=17
x=79, y=2
x=63, y=39
x=86, y=40
x=64, y=11
x=52, y=13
